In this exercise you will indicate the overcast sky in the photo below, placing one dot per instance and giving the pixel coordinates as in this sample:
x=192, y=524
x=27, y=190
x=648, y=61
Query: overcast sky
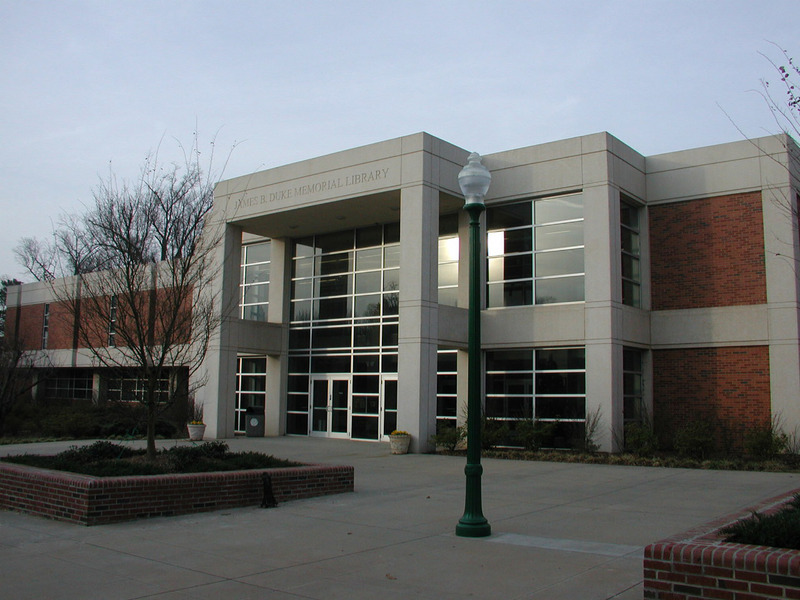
x=86, y=85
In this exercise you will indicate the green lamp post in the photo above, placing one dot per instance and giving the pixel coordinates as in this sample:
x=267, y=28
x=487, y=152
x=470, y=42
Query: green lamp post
x=474, y=180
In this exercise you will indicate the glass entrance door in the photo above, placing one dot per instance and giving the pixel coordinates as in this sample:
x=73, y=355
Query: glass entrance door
x=389, y=404
x=330, y=406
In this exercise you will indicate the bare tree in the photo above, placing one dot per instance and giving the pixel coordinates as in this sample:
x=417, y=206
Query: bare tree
x=782, y=95
x=38, y=257
x=4, y=285
x=18, y=368
x=150, y=310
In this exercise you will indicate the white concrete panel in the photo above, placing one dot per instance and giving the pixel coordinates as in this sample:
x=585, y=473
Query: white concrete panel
x=533, y=325
x=595, y=168
x=686, y=182
x=218, y=371
x=722, y=326
x=275, y=409
x=603, y=386
x=600, y=321
x=535, y=179
x=601, y=242
x=709, y=171
x=418, y=330
x=635, y=326
x=784, y=368
x=453, y=323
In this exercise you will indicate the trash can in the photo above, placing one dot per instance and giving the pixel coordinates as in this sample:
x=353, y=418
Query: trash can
x=255, y=421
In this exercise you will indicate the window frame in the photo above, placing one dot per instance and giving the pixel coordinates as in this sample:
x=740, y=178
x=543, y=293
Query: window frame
x=528, y=286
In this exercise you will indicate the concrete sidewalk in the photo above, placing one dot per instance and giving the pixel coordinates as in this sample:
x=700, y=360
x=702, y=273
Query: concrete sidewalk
x=559, y=531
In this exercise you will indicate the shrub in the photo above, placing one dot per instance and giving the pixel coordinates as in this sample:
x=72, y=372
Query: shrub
x=100, y=450
x=494, y=433
x=780, y=530
x=532, y=434
x=106, y=459
x=589, y=443
x=82, y=420
x=448, y=437
x=187, y=459
x=765, y=442
x=695, y=439
x=640, y=439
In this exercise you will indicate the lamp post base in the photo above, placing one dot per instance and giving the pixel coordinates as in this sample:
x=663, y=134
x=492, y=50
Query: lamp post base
x=472, y=523
x=473, y=528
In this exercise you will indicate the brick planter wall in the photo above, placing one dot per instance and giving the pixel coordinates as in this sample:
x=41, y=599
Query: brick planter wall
x=97, y=500
x=697, y=565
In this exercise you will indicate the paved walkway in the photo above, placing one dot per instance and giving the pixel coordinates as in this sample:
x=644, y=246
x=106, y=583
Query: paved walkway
x=559, y=531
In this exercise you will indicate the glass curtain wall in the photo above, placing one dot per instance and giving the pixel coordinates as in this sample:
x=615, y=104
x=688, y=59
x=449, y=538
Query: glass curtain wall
x=633, y=387
x=343, y=333
x=631, y=251
x=251, y=388
x=446, y=389
x=254, y=299
x=547, y=385
x=448, y=260
x=535, y=252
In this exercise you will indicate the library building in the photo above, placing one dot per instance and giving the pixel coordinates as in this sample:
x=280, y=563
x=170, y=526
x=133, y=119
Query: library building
x=615, y=288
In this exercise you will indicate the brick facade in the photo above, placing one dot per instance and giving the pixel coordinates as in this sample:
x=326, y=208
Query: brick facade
x=728, y=387
x=97, y=500
x=698, y=565
x=25, y=324
x=708, y=252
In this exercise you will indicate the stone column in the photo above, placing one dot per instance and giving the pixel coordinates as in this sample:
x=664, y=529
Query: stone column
x=418, y=337
x=218, y=372
x=280, y=282
x=781, y=255
x=602, y=312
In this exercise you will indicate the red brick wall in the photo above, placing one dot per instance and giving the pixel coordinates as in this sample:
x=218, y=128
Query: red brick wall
x=728, y=387
x=31, y=320
x=97, y=500
x=61, y=327
x=95, y=317
x=708, y=252
x=11, y=321
x=698, y=565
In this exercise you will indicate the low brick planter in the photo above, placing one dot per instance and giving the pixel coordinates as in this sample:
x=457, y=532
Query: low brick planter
x=97, y=500
x=697, y=565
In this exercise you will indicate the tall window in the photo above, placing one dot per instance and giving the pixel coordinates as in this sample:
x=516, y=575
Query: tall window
x=547, y=384
x=45, y=326
x=255, y=281
x=112, y=321
x=344, y=320
x=446, y=389
x=535, y=252
x=632, y=386
x=251, y=388
x=448, y=260
x=631, y=261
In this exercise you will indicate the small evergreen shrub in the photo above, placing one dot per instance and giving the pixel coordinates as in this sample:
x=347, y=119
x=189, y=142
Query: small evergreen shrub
x=640, y=439
x=765, y=442
x=494, y=433
x=779, y=530
x=533, y=434
x=448, y=437
x=695, y=439
x=106, y=459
